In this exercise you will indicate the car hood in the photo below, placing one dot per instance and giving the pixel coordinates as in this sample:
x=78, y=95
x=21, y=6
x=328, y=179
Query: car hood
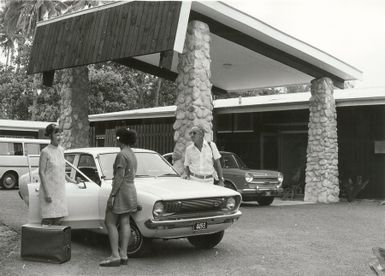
x=171, y=188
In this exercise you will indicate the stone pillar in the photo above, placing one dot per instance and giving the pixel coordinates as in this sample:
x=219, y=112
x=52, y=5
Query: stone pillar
x=194, y=101
x=322, y=183
x=74, y=108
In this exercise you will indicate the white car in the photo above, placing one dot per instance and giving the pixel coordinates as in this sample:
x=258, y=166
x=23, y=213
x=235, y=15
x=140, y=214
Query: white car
x=170, y=207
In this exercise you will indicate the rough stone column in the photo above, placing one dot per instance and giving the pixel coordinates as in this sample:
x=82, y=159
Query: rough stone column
x=194, y=101
x=322, y=151
x=74, y=108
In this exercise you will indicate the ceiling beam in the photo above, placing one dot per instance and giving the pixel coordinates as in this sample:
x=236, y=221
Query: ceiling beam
x=159, y=72
x=262, y=48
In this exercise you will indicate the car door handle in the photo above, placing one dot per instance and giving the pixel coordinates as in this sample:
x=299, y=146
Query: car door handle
x=37, y=190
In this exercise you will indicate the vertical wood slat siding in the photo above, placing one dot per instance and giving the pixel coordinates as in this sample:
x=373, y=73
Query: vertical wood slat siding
x=132, y=29
x=157, y=137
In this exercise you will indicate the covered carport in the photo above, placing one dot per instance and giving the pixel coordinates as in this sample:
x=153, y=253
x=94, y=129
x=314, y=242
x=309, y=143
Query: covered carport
x=206, y=47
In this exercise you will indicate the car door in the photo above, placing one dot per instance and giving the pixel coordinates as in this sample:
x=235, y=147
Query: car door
x=83, y=198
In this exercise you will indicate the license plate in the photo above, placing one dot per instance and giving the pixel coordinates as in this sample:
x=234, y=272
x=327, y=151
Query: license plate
x=200, y=226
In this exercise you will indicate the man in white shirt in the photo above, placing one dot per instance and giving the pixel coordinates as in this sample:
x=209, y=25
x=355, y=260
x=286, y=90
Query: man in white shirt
x=202, y=159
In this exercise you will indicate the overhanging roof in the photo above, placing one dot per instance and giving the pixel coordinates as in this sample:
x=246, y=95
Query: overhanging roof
x=246, y=53
x=277, y=102
x=22, y=125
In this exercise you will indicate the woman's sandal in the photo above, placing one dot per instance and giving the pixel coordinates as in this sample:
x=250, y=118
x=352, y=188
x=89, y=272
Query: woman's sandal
x=110, y=262
x=124, y=261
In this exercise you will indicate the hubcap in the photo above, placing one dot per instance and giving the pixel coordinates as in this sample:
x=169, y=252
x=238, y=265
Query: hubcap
x=135, y=240
x=9, y=181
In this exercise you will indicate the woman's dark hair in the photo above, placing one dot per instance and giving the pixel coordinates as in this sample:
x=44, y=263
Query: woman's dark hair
x=126, y=136
x=50, y=129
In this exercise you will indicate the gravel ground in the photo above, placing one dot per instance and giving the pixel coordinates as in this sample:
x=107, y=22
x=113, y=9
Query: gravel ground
x=8, y=242
x=288, y=238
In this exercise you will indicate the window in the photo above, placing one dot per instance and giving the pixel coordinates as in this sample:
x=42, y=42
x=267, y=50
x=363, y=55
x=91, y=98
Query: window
x=9, y=148
x=86, y=161
x=243, y=122
x=224, y=123
x=88, y=167
x=70, y=158
x=32, y=149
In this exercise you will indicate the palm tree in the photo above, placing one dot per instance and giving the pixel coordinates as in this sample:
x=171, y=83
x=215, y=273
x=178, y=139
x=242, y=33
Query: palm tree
x=7, y=40
x=20, y=19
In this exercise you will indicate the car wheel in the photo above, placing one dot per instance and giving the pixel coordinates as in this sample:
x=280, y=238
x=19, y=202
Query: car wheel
x=230, y=185
x=9, y=180
x=265, y=200
x=138, y=246
x=206, y=241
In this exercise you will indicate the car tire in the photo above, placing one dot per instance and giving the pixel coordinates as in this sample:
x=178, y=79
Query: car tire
x=9, y=180
x=265, y=200
x=206, y=241
x=138, y=245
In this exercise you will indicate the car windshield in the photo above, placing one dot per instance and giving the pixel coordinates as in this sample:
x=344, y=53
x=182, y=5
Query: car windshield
x=232, y=161
x=149, y=165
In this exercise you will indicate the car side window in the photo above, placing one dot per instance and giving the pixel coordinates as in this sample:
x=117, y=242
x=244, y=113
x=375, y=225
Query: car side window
x=31, y=149
x=70, y=158
x=228, y=162
x=9, y=148
x=88, y=167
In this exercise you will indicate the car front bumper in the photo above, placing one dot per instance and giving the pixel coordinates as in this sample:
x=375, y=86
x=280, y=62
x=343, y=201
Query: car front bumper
x=260, y=192
x=168, y=229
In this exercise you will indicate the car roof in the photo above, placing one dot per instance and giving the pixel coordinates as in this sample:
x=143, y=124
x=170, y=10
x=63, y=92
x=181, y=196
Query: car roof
x=102, y=150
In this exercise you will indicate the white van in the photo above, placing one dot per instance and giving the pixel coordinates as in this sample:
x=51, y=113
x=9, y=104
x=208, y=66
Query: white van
x=14, y=161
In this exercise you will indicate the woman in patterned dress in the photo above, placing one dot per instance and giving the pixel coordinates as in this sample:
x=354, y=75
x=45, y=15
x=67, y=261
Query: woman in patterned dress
x=122, y=200
x=52, y=194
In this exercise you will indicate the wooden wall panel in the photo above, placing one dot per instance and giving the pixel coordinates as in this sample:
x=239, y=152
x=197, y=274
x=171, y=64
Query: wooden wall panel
x=155, y=136
x=127, y=30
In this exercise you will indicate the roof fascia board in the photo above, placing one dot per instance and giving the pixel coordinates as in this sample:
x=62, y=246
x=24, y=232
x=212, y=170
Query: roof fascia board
x=343, y=98
x=132, y=115
x=182, y=26
x=276, y=38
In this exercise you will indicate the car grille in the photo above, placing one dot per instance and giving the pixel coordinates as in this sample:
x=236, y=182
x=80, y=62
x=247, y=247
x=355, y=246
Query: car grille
x=263, y=180
x=195, y=205
x=193, y=208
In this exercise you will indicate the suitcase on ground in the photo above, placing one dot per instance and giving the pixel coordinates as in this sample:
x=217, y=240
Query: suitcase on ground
x=46, y=243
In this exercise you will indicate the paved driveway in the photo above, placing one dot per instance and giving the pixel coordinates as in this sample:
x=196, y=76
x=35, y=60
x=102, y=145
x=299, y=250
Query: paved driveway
x=287, y=238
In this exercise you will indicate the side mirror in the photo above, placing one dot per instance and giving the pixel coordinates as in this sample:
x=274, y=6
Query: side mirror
x=81, y=184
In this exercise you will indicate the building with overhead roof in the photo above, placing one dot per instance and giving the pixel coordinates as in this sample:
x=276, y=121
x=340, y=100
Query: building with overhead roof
x=205, y=47
x=271, y=132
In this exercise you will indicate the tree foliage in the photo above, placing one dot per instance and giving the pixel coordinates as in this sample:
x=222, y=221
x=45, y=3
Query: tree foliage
x=113, y=87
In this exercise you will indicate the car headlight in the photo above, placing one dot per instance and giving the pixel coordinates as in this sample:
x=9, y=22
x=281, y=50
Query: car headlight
x=249, y=177
x=158, y=209
x=231, y=203
x=280, y=178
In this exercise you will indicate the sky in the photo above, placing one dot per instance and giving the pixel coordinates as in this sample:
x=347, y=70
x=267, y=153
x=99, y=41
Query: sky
x=350, y=30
